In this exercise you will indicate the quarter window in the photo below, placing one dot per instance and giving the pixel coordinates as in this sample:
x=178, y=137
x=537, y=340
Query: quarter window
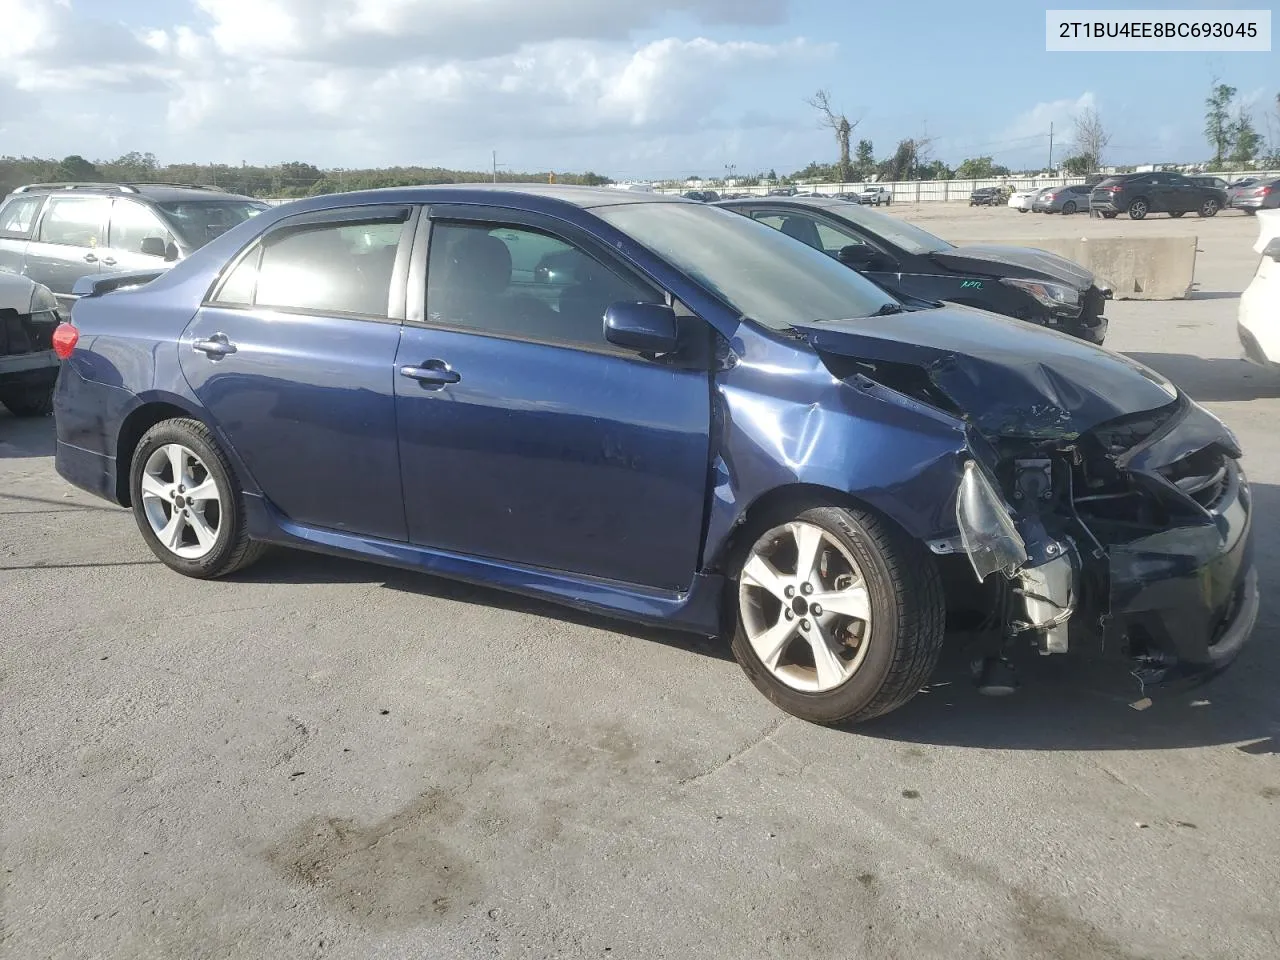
x=77, y=221
x=19, y=216
x=131, y=223
x=518, y=282
x=330, y=268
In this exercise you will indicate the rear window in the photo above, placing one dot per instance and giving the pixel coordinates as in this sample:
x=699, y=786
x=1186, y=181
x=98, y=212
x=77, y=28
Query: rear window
x=18, y=216
x=199, y=221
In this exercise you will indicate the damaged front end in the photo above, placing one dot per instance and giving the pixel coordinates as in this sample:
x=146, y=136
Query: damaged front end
x=1132, y=538
x=1112, y=508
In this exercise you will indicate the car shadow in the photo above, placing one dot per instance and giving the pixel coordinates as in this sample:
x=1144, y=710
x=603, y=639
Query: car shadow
x=25, y=437
x=1213, y=379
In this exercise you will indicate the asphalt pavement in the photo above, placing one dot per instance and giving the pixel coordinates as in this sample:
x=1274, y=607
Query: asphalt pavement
x=323, y=758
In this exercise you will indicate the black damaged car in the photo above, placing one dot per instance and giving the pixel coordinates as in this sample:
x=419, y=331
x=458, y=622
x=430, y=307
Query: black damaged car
x=1020, y=282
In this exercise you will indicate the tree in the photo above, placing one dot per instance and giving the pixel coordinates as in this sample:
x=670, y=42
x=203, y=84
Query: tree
x=1078, y=166
x=935, y=170
x=900, y=166
x=773, y=174
x=76, y=167
x=1217, y=119
x=1091, y=138
x=980, y=168
x=839, y=125
x=1246, y=142
x=864, y=162
x=130, y=167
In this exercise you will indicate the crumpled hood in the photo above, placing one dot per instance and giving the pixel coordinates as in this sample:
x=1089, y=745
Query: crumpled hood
x=1010, y=378
x=1028, y=262
x=15, y=292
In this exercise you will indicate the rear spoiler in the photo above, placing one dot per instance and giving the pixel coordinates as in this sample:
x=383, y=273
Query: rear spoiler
x=95, y=285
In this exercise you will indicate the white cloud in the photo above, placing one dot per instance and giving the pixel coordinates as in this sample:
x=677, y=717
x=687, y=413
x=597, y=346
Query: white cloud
x=368, y=82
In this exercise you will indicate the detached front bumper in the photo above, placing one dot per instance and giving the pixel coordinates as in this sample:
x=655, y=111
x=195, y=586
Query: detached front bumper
x=1184, y=601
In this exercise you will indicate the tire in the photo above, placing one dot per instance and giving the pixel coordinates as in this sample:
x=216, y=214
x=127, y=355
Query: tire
x=1110, y=215
x=1176, y=213
x=890, y=654
x=1209, y=208
x=1023, y=210
x=28, y=401
x=1138, y=208
x=1249, y=211
x=1069, y=208
x=229, y=549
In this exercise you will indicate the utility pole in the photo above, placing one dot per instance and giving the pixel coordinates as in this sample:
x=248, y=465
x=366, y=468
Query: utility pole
x=495, y=166
x=1051, y=146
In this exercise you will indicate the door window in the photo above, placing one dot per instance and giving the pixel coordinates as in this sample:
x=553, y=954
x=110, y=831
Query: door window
x=329, y=268
x=520, y=282
x=76, y=221
x=822, y=236
x=18, y=217
x=131, y=223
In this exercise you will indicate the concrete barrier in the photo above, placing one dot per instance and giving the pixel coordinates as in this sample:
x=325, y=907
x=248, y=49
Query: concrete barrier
x=1135, y=268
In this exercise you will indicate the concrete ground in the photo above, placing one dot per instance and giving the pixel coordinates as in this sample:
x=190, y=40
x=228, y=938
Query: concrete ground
x=332, y=759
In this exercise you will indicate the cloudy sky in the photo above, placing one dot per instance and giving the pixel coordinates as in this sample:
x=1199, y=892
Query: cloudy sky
x=629, y=88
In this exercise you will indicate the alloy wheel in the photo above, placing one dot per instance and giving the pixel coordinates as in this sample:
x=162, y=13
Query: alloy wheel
x=181, y=501
x=805, y=607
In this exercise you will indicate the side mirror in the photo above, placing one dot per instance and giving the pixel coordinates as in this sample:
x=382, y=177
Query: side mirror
x=647, y=327
x=862, y=257
x=154, y=246
x=1272, y=249
x=171, y=251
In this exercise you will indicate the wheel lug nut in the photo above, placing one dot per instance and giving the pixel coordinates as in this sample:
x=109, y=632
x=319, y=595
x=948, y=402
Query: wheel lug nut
x=806, y=588
x=790, y=592
x=816, y=610
x=804, y=624
x=788, y=614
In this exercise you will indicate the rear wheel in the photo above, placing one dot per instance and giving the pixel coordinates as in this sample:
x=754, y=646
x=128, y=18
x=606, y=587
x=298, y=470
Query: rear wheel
x=28, y=401
x=186, y=501
x=1069, y=207
x=839, y=615
x=1138, y=209
x=1210, y=207
x=1109, y=215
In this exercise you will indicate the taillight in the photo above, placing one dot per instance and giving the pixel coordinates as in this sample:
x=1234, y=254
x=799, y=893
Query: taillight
x=1264, y=191
x=64, y=339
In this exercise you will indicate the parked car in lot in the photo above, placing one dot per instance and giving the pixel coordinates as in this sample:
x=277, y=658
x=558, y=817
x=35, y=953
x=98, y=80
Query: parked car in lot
x=706, y=196
x=1064, y=200
x=1258, y=321
x=1022, y=200
x=28, y=365
x=1259, y=195
x=1140, y=194
x=875, y=194
x=693, y=420
x=56, y=233
x=1020, y=282
x=987, y=197
x=1215, y=183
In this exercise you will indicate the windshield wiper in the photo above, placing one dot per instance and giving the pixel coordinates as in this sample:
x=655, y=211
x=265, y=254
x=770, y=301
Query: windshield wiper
x=887, y=309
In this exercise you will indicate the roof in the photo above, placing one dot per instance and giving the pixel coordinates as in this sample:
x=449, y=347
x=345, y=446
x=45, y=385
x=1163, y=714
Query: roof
x=578, y=196
x=150, y=190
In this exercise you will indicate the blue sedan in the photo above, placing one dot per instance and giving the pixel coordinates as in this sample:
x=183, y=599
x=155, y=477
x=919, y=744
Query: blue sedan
x=658, y=410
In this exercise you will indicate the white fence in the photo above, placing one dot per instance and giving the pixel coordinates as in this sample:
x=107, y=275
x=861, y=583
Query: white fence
x=926, y=191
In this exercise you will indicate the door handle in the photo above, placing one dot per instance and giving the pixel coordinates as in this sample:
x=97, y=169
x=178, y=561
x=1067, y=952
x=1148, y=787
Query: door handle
x=432, y=374
x=216, y=347
x=109, y=262
x=90, y=258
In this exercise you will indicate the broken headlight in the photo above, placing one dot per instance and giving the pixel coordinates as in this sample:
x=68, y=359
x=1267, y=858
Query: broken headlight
x=1048, y=294
x=986, y=528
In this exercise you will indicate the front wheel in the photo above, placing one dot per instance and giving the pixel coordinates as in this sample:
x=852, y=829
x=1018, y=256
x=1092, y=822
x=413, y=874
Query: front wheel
x=839, y=615
x=28, y=401
x=186, y=501
x=1209, y=208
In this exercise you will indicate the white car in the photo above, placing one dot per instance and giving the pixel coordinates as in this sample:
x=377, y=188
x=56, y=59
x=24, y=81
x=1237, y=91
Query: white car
x=1021, y=200
x=1258, y=323
x=875, y=195
x=28, y=365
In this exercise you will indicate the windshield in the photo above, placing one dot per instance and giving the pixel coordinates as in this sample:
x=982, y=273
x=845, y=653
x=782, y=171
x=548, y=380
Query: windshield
x=199, y=221
x=898, y=232
x=758, y=271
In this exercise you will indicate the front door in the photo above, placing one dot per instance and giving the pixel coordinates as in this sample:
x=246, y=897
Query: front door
x=68, y=244
x=526, y=437
x=136, y=239
x=293, y=360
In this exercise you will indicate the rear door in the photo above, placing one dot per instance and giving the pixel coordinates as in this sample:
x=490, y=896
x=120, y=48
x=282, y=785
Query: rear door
x=68, y=243
x=292, y=358
x=524, y=435
x=133, y=227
